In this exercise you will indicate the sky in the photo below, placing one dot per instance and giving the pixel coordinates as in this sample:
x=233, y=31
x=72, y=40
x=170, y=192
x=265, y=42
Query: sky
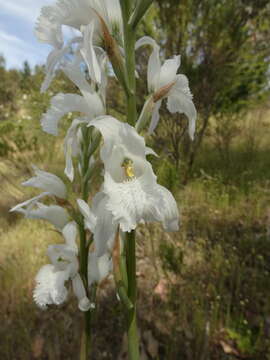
x=17, y=39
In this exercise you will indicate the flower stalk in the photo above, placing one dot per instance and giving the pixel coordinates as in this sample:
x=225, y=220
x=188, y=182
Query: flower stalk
x=133, y=340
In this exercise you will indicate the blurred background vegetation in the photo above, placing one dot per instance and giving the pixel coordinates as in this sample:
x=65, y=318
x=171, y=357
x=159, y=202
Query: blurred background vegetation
x=204, y=293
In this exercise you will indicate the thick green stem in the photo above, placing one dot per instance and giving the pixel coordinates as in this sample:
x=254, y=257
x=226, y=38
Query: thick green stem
x=130, y=39
x=133, y=341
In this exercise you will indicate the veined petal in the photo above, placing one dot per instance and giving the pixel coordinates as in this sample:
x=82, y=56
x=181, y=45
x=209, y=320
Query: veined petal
x=180, y=100
x=98, y=267
x=79, y=291
x=89, y=54
x=50, y=288
x=89, y=217
x=62, y=104
x=47, y=182
x=169, y=70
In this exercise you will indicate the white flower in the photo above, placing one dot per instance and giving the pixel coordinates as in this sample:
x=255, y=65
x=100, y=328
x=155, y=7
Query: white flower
x=52, y=186
x=130, y=193
x=84, y=16
x=164, y=82
x=90, y=104
x=51, y=278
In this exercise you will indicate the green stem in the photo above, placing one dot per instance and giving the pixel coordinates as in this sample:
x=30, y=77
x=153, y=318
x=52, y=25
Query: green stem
x=130, y=39
x=133, y=341
x=84, y=245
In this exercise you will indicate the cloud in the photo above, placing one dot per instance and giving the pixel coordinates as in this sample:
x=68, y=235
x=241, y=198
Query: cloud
x=16, y=50
x=28, y=10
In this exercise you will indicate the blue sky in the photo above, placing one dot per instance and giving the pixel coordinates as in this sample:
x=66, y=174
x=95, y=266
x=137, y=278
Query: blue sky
x=17, y=39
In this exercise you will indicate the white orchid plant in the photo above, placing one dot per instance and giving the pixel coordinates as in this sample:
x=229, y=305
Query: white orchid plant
x=99, y=233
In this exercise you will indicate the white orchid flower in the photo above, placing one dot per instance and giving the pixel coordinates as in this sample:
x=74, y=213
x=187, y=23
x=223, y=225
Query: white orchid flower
x=52, y=186
x=51, y=278
x=130, y=193
x=86, y=16
x=164, y=82
x=90, y=103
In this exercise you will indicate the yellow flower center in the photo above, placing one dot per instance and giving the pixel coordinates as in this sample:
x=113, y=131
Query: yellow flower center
x=127, y=165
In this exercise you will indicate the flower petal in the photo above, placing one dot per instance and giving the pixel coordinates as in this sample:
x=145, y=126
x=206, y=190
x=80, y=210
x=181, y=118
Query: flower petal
x=47, y=182
x=55, y=214
x=70, y=233
x=180, y=100
x=98, y=267
x=169, y=70
x=89, y=217
x=154, y=65
x=62, y=104
x=89, y=54
x=168, y=209
x=50, y=288
x=92, y=98
x=155, y=117
x=105, y=228
x=47, y=29
x=79, y=291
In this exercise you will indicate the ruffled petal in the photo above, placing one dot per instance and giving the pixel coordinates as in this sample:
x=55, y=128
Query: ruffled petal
x=180, y=100
x=47, y=182
x=50, y=288
x=132, y=201
x=48, y=30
